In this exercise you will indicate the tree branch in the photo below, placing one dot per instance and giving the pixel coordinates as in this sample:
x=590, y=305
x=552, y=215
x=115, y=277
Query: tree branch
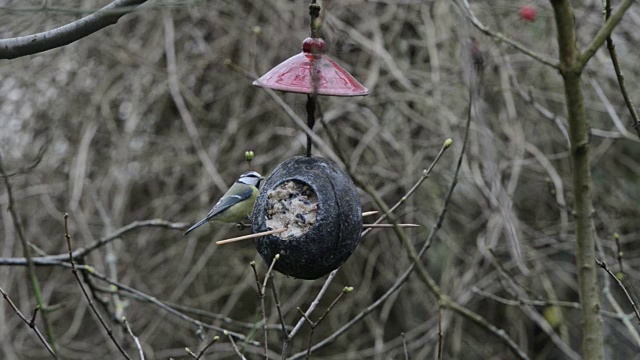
x=571, y=69
x=30, y=324
x=74, y=270
x=616, y=66
x=32, y=44
x=603, y=34
x=604, y=267
x=28, y=259
x=502, y=38
x=83, y=251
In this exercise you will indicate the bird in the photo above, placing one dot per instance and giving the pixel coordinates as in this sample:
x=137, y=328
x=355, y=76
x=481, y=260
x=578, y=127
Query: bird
x=237, y=203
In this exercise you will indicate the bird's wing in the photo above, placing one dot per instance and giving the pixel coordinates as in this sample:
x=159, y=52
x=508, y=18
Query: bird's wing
x=223, y=204
x=228, y=201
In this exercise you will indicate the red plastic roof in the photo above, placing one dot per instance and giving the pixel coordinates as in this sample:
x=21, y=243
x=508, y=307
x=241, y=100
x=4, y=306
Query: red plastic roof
x=295, y=74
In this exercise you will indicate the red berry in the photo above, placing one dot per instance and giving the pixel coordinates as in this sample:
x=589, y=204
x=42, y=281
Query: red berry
x=313, y=45
x=528, y=13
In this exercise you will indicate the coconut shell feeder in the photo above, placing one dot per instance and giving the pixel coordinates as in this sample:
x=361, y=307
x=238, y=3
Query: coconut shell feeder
x=308, y=206
x=318, y=205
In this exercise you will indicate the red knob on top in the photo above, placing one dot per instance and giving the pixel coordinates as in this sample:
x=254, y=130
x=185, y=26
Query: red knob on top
x=313, y=46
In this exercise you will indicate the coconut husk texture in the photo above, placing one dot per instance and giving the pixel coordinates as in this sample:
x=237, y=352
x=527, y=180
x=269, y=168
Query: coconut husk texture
x=325, y=214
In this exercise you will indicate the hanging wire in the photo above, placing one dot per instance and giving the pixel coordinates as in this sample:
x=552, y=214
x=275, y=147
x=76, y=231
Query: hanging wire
x=314, y=13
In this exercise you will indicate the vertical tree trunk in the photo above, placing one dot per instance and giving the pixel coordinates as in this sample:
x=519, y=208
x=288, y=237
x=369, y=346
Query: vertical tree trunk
x=592, y=344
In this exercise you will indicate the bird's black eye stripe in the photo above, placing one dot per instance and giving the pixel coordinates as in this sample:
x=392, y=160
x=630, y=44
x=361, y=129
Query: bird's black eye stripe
x=252, y=175
x=250, y=178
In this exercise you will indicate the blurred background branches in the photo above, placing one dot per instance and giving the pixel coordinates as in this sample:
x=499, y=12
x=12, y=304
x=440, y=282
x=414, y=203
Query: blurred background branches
x=136, y=130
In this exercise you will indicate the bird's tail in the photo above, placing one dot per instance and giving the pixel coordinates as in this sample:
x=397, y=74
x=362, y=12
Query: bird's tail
x=197, y=225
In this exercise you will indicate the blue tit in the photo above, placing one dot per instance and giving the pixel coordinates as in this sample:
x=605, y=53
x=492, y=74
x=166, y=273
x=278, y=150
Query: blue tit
x=237, y=204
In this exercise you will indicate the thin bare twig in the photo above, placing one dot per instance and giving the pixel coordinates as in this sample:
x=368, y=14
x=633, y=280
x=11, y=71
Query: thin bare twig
x=135, y=338
x=625, y=319
x=439, y=333
x=603, y=265
x=404, y=347
x=93, y=288
x=204, y=349
x=312, y=307
x=616, y=66
x=619, y=252
x=501, y=37
x=235, y=347
x=61, y=259
x=345, y=290
x=26, y=249
x=191, y=310
x=33, y=317
x=279, y=308
x=314, y=324
x=425, y=175
x=612, y=112
x=74, y=270
x=36, y=161
x=168, y=308
x=111, y=260
x=261, y=293
x=190, y=353
x=546, y=302
x=31, y=323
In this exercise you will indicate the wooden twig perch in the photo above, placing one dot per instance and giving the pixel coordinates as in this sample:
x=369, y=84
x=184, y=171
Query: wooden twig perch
x=389, y=225
x=250, y=236
x=277, y=231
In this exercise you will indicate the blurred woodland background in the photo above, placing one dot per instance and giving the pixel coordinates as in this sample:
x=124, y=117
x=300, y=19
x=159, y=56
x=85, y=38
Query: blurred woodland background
x=150, y=118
